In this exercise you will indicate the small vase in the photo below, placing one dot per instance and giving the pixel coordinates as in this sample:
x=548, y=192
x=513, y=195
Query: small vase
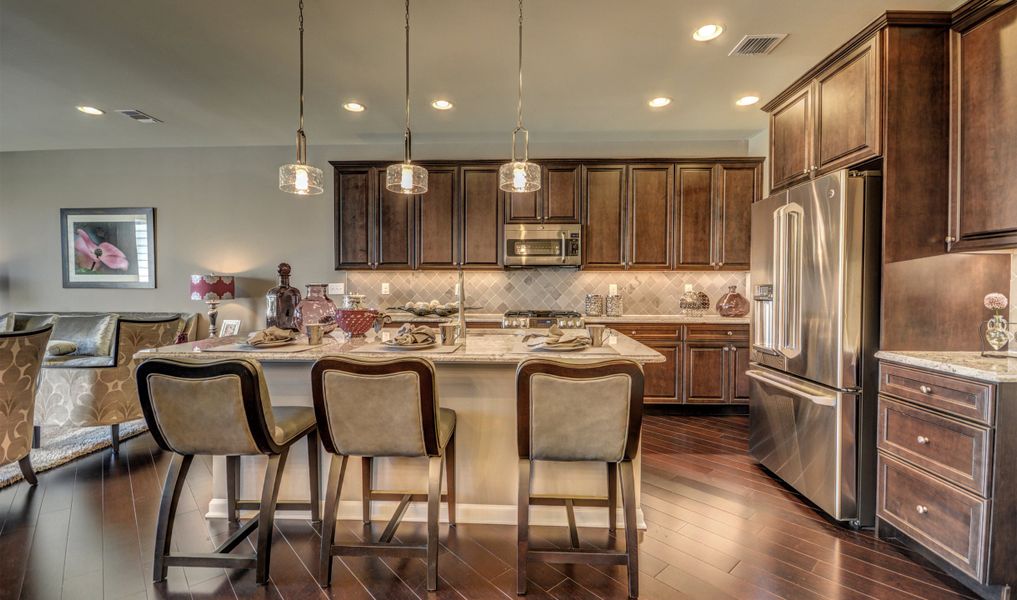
x=317, y=307
x=693, y=303
x=732, y=304
x=281, y=302
x=997, y=332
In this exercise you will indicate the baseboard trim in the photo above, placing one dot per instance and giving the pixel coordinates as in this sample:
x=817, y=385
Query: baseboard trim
x=696, y=409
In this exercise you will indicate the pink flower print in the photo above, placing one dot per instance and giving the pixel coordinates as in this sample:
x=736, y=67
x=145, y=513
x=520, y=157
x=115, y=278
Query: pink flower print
x=90, y=255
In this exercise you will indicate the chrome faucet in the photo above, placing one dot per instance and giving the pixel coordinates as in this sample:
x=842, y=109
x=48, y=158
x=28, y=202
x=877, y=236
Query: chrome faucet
x=461, y=302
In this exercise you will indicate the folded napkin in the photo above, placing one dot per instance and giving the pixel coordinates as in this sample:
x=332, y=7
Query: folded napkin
x=270, y=336
x=555, y=338
x=410, y=335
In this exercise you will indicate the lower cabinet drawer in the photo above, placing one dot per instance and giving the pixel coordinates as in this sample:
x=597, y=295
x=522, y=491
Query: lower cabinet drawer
x=943, y=518
x=955, y=451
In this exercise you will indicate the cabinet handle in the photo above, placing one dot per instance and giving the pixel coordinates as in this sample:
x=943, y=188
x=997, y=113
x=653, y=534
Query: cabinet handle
x=925, y=389
x=922, y=509
x=727, y=348
x=805, y=171
x=922, y=440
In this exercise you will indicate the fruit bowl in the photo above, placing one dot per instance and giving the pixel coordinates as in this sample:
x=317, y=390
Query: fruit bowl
x=357, y=321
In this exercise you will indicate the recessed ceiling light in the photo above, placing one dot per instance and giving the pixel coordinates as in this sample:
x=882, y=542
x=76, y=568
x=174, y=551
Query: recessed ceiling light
x=441, y=105
x=707, y=32
x=747, y=100
x=91, y=110
x=354, y=106
x=659, y=102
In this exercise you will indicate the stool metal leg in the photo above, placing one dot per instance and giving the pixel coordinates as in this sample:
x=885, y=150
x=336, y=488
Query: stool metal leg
x=27, y=471
x=612, y=496
x=114, y=438
x=523, y=525
x=336, y=471
x=366, y=468
x=269, y=496
x=631, y=535
x=433, y=508
x=232, y=487
x=450, y=478
x=314, y=474
x=167, y=512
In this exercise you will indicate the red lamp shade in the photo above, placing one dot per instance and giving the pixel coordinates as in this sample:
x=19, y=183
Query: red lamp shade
x=212, y=288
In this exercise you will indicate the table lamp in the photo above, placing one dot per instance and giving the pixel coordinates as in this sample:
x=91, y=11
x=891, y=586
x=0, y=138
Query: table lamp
x=212, y=289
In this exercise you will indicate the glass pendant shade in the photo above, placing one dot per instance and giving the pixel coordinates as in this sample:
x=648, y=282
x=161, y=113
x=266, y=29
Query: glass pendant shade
x=406, y=178
x=519, y=176
x=300, y=179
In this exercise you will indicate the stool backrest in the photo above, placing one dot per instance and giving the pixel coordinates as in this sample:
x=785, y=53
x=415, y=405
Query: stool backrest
x=21, y=356
x=207, y=407
x=579, y=411
x=376, y=407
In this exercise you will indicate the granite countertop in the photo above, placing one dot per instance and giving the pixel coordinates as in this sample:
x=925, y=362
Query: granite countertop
x=486, y=347
x=496, y=318
x=964, y=364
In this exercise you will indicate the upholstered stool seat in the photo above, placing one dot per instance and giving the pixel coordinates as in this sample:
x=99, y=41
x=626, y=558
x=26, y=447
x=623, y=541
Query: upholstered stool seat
x=21, y=356
x=223, y=408
x=379, y=409
x=572, y=412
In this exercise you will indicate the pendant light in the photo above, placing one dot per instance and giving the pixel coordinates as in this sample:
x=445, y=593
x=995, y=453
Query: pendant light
x=520, y=175
x=406, y=177
x=301, y=178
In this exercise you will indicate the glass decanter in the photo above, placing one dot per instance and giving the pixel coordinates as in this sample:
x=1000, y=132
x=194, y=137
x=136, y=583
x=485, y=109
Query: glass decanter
x=316, y=307
x=281, y=302
x=732, y=304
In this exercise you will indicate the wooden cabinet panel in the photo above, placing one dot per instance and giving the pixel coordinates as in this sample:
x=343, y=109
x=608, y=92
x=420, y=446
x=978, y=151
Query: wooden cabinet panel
x=353, y=192
x=605, y=216
x=738, y=187
x=394, y=231
x=790, y=144
x=695, y=219
x=847, y=110
x=983, y=199
x=717, y=332
x=739, y=381
x=651, y=209
x=437, y=218
x=560, y=192
x=959, y=397
x=706, y=366
x=522, y=207
x=482, y=229
x=662, y=381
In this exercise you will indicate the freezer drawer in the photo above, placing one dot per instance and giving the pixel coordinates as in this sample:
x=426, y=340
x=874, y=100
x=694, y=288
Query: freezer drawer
x=805, y=434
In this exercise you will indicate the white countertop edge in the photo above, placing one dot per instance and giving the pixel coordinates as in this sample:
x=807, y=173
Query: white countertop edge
x=963, y=364
x=710, y=319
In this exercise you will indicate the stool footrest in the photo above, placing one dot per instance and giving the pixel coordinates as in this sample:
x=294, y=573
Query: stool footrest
x=280, y=505
x=398, y=496
x=552, y=500
x=238, y=536
x=582, y=555
x=225, y=561
x=379, y=549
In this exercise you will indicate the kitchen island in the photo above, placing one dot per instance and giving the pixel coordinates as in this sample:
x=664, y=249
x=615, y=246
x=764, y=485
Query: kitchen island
x=477, y=380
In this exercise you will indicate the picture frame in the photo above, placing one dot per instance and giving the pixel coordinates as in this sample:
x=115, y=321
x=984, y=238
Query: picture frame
x=230, y=327
x=108, y=247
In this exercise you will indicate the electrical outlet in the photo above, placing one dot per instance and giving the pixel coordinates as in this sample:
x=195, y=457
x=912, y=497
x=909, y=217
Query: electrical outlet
x=612, y=289
x=384, y=289
x=336, y=288
x=457, y=290
x=612, y=340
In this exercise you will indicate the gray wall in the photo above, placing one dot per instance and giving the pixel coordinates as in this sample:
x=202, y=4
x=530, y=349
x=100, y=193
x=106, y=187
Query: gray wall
x=217, y=210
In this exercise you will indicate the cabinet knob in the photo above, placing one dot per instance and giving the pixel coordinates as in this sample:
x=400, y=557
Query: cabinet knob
x=922, y=509
x=730, y=333
x=925, y=389
x=727, y=348
x=950, y=239
x=922, y=440
x=805, y=171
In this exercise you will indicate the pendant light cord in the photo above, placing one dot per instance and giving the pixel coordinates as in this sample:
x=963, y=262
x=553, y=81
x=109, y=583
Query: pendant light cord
x=407, y=137
x=301, y=138
x=519, y=105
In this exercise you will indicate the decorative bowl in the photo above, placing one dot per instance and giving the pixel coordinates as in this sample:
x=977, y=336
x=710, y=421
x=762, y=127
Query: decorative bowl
x=357, y=321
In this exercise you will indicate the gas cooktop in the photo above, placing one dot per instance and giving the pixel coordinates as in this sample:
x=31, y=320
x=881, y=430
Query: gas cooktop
x=525, y=319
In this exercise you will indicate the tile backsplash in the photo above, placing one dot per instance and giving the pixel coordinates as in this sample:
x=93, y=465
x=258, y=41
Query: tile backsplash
x=551, y=289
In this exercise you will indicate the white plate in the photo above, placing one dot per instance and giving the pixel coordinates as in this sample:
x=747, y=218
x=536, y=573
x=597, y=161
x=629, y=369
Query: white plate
x=274, y=344
x=395, y=346
x=546, y=348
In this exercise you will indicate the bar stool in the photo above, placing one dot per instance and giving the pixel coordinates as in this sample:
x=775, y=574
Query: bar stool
x=21, y=355
x=590, y=412
x=375, y=409
x=222, y=408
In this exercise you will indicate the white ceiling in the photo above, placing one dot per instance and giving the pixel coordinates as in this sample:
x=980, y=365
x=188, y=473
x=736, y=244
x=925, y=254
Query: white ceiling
x=223, y=72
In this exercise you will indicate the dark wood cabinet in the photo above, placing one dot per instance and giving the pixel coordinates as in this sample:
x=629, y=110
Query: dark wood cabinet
x=374, y=227
x=706, y=373
x=695, y=218
x=983, y=197
x=481, y=228
x=714, y=215
x=437, y=220
x=604, y=216
x=738, y=186
x=791, y=139
x=393, y=232
x=557, y=200
x=847, y=110
x=650, y=213
x=739, y=380
x=662, y=381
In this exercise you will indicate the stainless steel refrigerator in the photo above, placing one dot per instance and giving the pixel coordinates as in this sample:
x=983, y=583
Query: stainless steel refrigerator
x=815, y=285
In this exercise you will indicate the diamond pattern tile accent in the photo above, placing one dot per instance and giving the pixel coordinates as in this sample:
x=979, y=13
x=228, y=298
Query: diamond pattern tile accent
x=496, y=292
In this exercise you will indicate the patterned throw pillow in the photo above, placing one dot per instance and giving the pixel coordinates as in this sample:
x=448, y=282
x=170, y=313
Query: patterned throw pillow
x=7, y=323
x=60, y=348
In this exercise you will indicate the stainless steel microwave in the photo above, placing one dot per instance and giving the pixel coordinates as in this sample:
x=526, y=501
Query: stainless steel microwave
x=544, y=245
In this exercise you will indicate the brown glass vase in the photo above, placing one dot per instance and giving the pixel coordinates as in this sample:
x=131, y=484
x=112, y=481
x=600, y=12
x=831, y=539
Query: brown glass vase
x=281, y=302
x=732, y=304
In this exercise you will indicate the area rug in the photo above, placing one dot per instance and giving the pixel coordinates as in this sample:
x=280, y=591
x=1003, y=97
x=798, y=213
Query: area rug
x=61, y=445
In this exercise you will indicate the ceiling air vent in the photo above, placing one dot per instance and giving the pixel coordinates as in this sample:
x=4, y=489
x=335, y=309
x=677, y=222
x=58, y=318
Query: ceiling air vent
x=757, y=45
x=138, y=116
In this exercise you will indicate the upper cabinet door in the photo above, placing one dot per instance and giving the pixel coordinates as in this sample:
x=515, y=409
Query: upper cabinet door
x=738, y=186
x=983, y=198
x=353, y=219
x=605, y=200
x=481, y=218
x=394, y=232
x=790, y=140
x=651, y=210
x=437, y=220
x=561, y=192
x=847, y=110
x=694, y=221
x=523, y=207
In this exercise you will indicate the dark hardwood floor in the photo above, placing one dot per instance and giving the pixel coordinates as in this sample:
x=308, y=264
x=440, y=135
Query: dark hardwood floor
x=718, y=528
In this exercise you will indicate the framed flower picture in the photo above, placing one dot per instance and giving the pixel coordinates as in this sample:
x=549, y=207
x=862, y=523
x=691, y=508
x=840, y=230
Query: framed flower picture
x=108, y=247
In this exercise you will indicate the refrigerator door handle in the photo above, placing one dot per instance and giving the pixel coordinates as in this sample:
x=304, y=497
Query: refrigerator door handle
x=778, y=382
